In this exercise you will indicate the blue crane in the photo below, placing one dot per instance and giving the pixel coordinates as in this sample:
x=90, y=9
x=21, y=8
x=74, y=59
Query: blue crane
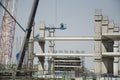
x=62, y=27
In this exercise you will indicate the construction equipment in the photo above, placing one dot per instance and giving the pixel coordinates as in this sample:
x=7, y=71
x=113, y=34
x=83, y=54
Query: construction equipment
x=7, y=31
x=27, y=36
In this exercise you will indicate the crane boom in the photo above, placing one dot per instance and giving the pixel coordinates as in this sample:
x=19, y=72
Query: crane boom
x=27, y=35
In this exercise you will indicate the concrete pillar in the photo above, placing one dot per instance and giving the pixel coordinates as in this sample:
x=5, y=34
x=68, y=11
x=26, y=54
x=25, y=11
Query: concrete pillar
x=105, y=23
x=97, y=45
x=51, y=50
x=104, y=44
x=31, y=50
x=111, y=27
x=116, y=49
x=107, y=46
x=116, y=59
x=42, y=44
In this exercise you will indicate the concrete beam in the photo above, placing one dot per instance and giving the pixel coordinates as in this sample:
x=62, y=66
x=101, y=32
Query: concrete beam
x=113, y=36
x=64, y=54
x=66, y=38
x=111, y=54
x=66, y=66
x=106, y=54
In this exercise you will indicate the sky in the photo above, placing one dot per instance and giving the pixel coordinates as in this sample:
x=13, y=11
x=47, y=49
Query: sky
x=78, y=15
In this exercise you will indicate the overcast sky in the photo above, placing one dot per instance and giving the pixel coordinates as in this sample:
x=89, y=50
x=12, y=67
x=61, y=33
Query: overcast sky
x=78, y=15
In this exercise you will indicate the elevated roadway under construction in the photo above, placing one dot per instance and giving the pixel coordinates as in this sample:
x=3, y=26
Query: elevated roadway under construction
x=106, y=46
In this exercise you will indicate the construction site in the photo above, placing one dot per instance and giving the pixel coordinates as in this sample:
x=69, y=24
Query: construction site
x=61, y=65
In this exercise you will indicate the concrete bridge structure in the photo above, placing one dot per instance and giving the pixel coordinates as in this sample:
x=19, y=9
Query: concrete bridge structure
x=106, y=45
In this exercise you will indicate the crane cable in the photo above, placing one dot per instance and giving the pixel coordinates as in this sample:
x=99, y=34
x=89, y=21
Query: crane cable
x=12, y=17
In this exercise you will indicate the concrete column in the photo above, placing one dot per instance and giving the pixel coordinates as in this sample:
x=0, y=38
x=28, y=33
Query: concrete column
x=116, y=49
x=31, y=50
x=97, y=45
x=51, y=50
x=51, y=42
x=116, y=59
x=42, y=45
x=111, y=27
x=110, y=47
x=107, y=46
x=104, y=45
x=105, y=23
